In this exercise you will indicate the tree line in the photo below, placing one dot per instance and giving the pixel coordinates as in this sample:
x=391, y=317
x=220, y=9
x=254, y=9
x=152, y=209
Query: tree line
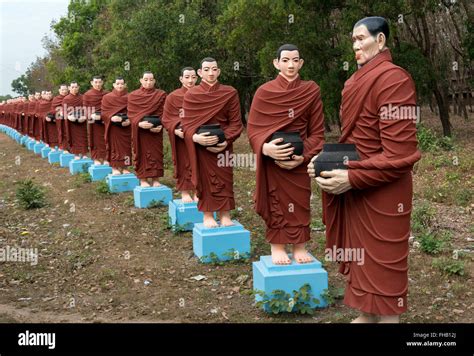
x=432, y=39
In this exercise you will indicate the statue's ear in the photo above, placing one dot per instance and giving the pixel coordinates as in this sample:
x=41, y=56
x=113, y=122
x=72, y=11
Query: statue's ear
x=381, y=40
x=275, y=64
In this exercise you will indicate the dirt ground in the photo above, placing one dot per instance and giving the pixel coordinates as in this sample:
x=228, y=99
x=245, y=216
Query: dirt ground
x=102, y=260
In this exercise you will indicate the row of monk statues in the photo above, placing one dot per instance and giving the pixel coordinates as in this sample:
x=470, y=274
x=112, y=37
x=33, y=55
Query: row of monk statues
x=366, y=189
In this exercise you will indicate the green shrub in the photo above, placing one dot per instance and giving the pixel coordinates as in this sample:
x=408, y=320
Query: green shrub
x=30, y=195
x=449, y=266
x=422, y=217
x=428, y=141
x=103, y=188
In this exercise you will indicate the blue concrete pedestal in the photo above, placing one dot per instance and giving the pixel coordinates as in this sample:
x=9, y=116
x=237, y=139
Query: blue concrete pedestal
x=65, y=158
x=38, y=147
x=183, y=216
x=77, y=166
x=122, y=182
x=45, y=151
x=268, y=277
x=99, y=171
x=53, y=156
x=31, y=144
x=146, y=196
x=221, y=243
x=24, y=140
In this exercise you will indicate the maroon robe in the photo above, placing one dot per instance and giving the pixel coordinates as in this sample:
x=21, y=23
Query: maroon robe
x=24, y=118
x=277, y=189
x=118, y=139
x=76, y=133
x=43, y=107
x=216, y=104
x=56, y=107
x=147, y=145
x=92, y=101
x=375, y=214
x=172, y=115
x=31, y=117
x=37, y=123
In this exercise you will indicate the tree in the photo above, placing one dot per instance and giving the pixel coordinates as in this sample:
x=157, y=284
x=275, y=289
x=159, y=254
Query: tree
x=19, y=85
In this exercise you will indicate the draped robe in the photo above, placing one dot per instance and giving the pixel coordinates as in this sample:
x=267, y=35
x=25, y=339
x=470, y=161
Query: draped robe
x=147, y=146
x=374, y=216
x=203, y=105
x=172, y=115
x=56, y=107
x=282, y=196
x=76, y=133
x=118, y=140
x=92, y=100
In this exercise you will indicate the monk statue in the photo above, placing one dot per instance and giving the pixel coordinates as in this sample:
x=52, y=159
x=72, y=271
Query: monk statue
x=91, y=101
x=35, y=126
x=145, y=108
x=285, y=110
x=211, y=123
x=172, y=116
x=76, y=126
x=57, y=111
x=367, y=206
x=118, y=134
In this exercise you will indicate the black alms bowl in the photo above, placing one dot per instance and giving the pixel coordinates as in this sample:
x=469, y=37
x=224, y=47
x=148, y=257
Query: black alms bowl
x=292, y=137
x=214, y=130
x=335, y=156
x=52, y=117
x=121, y=115
x=152, y=119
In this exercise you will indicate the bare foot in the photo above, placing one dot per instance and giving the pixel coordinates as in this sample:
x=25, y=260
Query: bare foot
x=97, y=162
x=279, y=255
x=66, y=151
x=144, y=183
x=209, y=220
x=186, y=197
x=365, y=318
x=225, y=218
x=156, y=183
x=116, y=172
x=106, y=163
x=196, y=199
x=125, y=171
x=77, y=157
x=300, y=254
x=389, y=319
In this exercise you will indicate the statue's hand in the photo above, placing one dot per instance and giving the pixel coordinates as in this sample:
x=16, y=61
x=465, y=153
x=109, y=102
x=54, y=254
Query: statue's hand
x=219, y=148
x=179, y=133
x=293, y=163
x=311, y=170
x=126, y=123
x=145, y=125
x=156, y=129
x=277, y=152
x=337, y=182
x=205, y=140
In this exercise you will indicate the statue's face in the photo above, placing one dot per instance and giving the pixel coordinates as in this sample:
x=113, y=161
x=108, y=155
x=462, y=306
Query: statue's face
x=148, y=81
x=23, y=99
x=97, y=83
x=209, y=72
x=289, y=63
x=48, y=95
x=31, y=97
x=119, y=85
x=63, y=90
x=38, y=95
x=365, y=45
x=74, y=88
x=43, y=95
x=188, y=79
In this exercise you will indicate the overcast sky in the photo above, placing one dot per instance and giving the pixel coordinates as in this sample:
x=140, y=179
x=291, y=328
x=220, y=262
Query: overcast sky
x=23, y=23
